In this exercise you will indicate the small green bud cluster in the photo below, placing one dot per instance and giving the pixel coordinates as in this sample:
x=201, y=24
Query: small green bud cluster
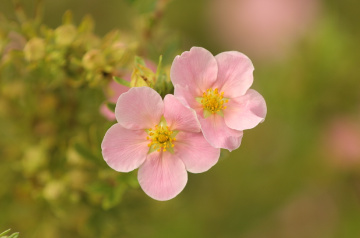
x=69, y=54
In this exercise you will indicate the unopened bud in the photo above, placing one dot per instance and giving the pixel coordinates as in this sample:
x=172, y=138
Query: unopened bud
x=34, y=49
x=142, y=76
x=93, y=60
x=65, y=35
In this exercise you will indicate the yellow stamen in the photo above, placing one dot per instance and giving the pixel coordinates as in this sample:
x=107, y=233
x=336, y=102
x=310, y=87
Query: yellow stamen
x=213, y=101
x=162, y=138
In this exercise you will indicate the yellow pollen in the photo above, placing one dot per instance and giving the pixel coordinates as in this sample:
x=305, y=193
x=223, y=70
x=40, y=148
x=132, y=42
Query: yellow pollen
x=162, y=138
x=213, y=101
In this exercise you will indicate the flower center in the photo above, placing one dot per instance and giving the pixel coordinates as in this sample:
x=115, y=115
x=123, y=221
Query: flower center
x=212, y=101
x=161, y=138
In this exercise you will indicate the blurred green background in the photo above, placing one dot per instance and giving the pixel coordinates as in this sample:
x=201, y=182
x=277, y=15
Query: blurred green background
x=295, y=175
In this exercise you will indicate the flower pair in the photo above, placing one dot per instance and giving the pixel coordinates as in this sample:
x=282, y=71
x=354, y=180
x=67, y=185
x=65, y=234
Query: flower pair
x=165, y=139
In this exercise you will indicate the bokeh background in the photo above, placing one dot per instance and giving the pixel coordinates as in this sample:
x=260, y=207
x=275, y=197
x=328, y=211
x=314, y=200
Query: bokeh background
x=295, y=175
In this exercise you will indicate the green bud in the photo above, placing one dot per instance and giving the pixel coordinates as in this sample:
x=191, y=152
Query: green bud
x=142, y=75
x=34, y=49
x=139, y=78
x=65, y=35
x=34, y=158
x=118, y=50
x=53, y=190
x=93, y=60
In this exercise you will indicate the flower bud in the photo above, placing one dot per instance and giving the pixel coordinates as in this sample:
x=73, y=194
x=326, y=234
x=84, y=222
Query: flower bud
x=93, y=60
x=65, y=35
x=53, y=190
x=34, y=49
x=142, y=75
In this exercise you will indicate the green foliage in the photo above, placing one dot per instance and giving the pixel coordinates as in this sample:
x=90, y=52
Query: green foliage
x=13, y=235
x=122, y=81
x=52, y=84
x=282, y=182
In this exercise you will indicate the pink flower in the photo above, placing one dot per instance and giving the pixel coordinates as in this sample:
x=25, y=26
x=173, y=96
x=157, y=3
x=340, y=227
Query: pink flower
x=217, y=88
x=342, y=142
x=161, y=138
x=114, y=90
x=265, y=28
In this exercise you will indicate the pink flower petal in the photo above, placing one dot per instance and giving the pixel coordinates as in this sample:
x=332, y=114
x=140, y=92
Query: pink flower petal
x=196, y=153
x=149, y=64
x=139, y=108
x=245, y=112
x=196, y=68
x=162, y=176
x=105, y=111
x=112, y=93
x=218, y=134
x=185, y=96
x=115, y=90
x=235, y=73
x=179, y=117
x=124, y=150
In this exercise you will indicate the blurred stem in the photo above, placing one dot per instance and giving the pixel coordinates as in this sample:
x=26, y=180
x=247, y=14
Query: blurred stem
x=19, y=11
x=39, y=10
x=154, y=19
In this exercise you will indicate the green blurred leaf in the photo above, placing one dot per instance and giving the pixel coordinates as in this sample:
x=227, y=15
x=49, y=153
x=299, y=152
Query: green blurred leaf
x=5, y=232
x=143, y=6
x=114, y=197
x=130, y=1
x=111, y=106
x=87, y=154
x=121, y=81
x=14, y=235
x=159, y=68
x=139, y=60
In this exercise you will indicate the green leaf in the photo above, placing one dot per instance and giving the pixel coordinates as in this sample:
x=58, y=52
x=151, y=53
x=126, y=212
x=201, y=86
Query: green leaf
x=111, y=106
x=145, y=6
x=5, y=232
x=87, y=154
x=224, y=154
x=121, y=81
x=114, y=196
x=139, y=60
x=131, y=1
x=158, y=69
x=14, y=235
